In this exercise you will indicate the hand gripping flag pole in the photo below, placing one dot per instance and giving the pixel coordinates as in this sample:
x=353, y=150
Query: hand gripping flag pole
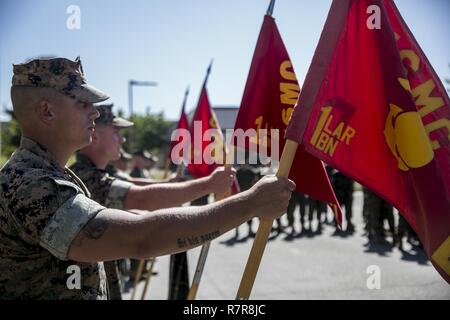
x=271, y=107
x=263, y=232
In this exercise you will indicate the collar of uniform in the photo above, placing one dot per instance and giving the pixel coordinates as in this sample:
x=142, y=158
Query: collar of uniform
x=40, y=151
x=111, y=169
x=79, y=182
x=85, y=161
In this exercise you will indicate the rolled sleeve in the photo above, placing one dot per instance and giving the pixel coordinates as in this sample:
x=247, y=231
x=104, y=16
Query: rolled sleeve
x=66, y=223
x=117, y=193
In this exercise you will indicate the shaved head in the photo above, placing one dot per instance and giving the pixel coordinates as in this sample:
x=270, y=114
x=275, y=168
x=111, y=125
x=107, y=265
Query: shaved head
x=25, y=99
x=54, y=106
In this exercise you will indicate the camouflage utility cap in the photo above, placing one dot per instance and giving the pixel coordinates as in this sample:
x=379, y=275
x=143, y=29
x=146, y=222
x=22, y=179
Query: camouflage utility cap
x=125, y=155
x=108, y=117
x=146, y=155
x=64, y=75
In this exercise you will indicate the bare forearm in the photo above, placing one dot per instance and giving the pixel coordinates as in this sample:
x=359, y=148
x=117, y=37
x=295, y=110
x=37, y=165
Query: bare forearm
x=166, y=195
x=145, y=181
x=179, y=229
x=114, y=234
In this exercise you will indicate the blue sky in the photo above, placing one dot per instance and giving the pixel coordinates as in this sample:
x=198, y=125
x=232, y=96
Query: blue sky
x=172, y=41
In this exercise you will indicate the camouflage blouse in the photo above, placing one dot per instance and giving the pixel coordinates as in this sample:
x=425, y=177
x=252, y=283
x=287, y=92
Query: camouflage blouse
x=43, y=207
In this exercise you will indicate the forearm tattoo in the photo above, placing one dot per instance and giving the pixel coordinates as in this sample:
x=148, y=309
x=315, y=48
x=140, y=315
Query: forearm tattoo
x=197, y=240
x=94, y=230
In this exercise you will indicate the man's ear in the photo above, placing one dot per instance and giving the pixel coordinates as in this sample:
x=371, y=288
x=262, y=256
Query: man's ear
x=45, y=112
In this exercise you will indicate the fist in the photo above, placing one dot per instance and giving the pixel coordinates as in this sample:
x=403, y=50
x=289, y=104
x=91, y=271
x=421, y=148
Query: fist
x=221, y=179
x=269, y=197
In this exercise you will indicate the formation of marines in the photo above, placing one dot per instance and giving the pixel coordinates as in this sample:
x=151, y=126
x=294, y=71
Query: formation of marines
x=55, y=219
x=98, y=214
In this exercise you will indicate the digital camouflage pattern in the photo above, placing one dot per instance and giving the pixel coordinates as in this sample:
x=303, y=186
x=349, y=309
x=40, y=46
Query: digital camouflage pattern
x=64, y=75
x=110, y=192
x=105, y=189
x=42, y=209
x=116, y=173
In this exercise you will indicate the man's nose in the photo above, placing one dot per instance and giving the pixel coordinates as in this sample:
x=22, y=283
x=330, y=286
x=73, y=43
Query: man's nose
x=122, y=139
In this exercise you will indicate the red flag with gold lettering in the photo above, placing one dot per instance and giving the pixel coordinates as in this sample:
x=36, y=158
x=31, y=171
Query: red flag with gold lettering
x=373, y=108
x=269, y=97
x=206, y=141
x=182, y=136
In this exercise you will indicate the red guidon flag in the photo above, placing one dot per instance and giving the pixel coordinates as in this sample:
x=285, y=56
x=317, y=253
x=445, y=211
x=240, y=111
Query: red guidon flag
x=206, y=140
x=269, y=97
x=181, y=136
x=373, y=108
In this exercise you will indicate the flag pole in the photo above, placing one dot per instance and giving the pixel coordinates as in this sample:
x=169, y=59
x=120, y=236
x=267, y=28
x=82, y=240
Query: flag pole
x=166, y=168
x=166, y=171
x=205, y=81
x=208, y=71
x=198, y=271
x=287, y=157
x=202, y=258
x=205, y=248
x=137, y=276
x=149, y=275
x=201, y=263
x=265, y=226
x=270, y=8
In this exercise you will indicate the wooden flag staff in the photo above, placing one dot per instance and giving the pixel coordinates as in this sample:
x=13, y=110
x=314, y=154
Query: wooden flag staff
x=139, y=272
x=149, y=275
x=205, y=248
x=262, y=235
x=179, y=171
x=137, y=276
x=198, y=271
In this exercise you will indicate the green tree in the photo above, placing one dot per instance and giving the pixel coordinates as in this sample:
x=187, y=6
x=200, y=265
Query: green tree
x=10, y=137
x=150, y=132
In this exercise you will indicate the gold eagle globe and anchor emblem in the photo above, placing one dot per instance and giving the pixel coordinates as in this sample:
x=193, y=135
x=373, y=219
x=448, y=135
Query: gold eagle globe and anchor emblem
x=407, y=139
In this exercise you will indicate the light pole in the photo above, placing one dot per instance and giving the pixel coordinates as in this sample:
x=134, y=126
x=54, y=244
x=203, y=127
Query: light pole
x=132, y=83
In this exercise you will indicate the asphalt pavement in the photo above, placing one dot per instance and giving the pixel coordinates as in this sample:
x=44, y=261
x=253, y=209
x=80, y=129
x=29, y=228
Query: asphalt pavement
x=311, y=265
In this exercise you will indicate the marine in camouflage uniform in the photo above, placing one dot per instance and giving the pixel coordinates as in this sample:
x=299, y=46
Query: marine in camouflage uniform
x=44, y=206
x=47, y=216
x=105, y=189
x=118, y=168
x=377, y=210
x=343, y=187
x=143, y=161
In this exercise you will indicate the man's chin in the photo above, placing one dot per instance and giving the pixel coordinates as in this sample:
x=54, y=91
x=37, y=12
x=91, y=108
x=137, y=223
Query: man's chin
x=86, y=142
x=116, y=157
